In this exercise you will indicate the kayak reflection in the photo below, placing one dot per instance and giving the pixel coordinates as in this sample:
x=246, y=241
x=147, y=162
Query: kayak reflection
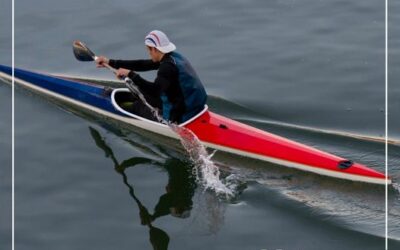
x=177, y=201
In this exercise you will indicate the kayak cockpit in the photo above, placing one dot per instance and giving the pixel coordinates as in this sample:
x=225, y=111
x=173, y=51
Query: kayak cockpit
x=123, y=100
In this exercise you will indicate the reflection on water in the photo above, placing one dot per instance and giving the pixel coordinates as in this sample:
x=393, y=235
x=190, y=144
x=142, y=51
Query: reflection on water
x=177, y=201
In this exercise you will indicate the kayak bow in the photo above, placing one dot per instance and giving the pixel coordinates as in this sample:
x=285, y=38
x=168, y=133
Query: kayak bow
x=213, y=130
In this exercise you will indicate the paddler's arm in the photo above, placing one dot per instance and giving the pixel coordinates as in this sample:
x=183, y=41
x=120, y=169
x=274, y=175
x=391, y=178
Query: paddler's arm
x=165, y=77
x=136, y=65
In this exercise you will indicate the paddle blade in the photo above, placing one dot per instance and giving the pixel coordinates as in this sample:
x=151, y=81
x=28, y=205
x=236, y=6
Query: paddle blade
x=158, y=238
x=81, y=52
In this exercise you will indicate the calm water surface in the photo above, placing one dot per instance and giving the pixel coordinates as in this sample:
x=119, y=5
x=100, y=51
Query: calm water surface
x=276, y=65
x=5, y=174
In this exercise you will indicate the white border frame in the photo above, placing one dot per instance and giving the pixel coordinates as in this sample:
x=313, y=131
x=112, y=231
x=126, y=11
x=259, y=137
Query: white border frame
x=386, y=127
x=13, y=125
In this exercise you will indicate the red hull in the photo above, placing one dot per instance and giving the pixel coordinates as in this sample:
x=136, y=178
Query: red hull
x=236, y=137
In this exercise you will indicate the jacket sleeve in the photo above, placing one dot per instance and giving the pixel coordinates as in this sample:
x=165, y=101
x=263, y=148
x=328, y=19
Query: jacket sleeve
x=164, y=79
x=136, y=65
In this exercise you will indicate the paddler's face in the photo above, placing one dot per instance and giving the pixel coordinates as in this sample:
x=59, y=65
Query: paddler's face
x=152, y=53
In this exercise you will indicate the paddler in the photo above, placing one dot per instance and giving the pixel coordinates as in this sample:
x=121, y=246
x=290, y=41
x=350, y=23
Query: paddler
x=177, y=90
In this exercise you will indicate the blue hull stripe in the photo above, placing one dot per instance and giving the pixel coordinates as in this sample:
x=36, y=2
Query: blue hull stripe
x=83, y=92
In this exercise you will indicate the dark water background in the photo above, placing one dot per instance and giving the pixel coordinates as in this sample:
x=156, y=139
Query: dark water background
x=272, y=64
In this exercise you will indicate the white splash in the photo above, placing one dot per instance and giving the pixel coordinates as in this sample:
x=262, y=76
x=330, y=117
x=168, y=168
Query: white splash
x=207, y=174
x=396, y=187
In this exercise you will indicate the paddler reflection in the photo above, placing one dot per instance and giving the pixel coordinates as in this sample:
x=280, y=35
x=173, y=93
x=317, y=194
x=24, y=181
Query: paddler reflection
x=177, y=201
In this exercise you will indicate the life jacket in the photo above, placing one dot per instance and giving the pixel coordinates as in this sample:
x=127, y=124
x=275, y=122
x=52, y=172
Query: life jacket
x=193, y=91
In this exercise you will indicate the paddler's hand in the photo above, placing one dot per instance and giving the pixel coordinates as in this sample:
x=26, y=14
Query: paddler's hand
x=101, y=60
x=121, y=73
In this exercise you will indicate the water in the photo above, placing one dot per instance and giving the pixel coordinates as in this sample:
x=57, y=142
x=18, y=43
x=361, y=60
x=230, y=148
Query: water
x=205, y=170
x=317, y=65
x=5, y=131
x=5, y=174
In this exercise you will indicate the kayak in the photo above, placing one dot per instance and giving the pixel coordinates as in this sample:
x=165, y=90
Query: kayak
x=213, y=130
